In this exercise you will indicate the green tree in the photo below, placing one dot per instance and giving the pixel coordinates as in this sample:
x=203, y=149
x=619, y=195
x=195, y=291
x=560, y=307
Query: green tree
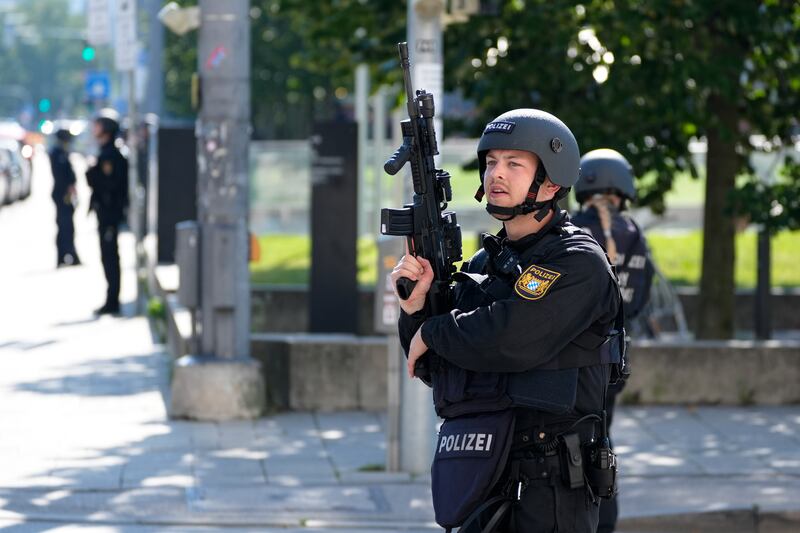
x=646, y=77
x=41, y=58
x=303, y=60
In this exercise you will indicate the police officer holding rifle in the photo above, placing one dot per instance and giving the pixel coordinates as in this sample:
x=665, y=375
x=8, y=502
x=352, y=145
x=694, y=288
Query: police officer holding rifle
x=520, y=345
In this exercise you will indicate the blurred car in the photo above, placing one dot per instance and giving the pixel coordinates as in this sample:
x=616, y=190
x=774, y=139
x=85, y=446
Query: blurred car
x=16, y=145
x=5, y=179
x=17, y=168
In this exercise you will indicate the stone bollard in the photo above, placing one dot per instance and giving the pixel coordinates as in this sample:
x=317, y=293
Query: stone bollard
x=217, y=389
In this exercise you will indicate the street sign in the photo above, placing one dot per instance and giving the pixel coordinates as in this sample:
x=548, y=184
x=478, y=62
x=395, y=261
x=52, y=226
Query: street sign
x=125, y=47
x=99, y=23
x=98, y=85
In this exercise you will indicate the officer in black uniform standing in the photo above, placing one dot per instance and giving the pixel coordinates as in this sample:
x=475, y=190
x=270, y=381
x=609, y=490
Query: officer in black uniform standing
x=108, y=179
x=64, y=197
x=523, y=360
x=604, y=190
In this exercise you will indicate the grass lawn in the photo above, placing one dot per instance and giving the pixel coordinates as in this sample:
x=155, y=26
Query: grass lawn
x=285, y=259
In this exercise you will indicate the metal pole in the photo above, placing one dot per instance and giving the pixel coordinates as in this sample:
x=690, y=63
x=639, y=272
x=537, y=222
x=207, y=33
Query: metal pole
x=763, y=317
x=223, y=136
x=151, y=225
x=155, y=59
x=417, y=417
x=362, y=118
x=134, y=190
x=222, y=382
x=379, y=154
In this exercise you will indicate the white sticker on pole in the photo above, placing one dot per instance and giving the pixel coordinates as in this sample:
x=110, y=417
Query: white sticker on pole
x=98, y=29
x=125, y=35
x=429, y=76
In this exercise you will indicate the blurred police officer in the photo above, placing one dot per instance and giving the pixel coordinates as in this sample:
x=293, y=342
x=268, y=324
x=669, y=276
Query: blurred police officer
x=108, y=179
x=533, y=311
x=64, y=197
x=604, y=190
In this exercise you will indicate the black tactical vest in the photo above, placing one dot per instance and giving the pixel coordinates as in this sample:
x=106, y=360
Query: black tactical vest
x=550, y=389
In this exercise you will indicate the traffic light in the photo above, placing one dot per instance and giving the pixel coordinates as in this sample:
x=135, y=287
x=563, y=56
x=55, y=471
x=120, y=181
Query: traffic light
x=88, y=52
x=45, y=105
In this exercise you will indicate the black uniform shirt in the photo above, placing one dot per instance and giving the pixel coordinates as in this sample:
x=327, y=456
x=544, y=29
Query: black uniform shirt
x=63, y=175
x=565, y=287
x=108, y=179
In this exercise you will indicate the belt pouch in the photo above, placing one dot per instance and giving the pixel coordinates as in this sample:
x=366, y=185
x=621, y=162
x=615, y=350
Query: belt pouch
x=471, y=453
x=572, y=458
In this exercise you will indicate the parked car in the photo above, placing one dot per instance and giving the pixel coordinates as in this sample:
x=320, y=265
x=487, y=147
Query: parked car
x=18, y=170
x=8, y=184
x=17, y=147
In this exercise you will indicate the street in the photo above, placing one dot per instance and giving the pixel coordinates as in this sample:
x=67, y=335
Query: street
x=86, y=445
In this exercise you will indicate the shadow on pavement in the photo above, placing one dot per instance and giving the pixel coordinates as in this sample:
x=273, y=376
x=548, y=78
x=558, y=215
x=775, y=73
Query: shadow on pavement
x=26, y=346
x=112, y=377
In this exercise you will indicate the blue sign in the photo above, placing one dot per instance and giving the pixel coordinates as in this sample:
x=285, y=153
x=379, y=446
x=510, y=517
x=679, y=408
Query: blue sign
x=98, y=85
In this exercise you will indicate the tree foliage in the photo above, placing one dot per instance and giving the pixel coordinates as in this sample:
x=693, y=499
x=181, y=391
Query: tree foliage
x=41, y=58
x=304, y=57
x=645, y=77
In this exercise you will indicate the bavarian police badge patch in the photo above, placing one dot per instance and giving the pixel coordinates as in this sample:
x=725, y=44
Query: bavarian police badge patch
x=535, y=281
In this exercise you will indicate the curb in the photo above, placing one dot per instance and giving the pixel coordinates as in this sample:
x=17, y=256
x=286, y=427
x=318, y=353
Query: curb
x=752, y=520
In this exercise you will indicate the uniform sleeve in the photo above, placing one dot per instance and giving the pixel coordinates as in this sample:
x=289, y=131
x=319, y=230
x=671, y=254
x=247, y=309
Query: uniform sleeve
x=532, y=326
x=407, y=327
x=71, y=180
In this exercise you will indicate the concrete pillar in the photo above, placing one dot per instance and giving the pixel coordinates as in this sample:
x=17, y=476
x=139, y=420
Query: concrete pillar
x=222, y=382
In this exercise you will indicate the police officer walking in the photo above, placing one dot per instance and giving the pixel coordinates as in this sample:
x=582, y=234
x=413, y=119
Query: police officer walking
x=108, y=179
x=64, y=197
x=520, y=366
x=604, y=190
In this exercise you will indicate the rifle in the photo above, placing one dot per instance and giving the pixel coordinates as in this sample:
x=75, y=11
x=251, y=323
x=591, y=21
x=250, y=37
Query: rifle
x=431, y=231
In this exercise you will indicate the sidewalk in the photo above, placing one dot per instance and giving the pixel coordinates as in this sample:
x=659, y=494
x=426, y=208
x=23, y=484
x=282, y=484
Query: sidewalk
x=85, y=443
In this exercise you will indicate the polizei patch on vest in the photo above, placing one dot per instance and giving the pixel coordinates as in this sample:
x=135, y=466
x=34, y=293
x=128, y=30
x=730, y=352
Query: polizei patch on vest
x=499, y=127
x=535, y=282
x=466, y=443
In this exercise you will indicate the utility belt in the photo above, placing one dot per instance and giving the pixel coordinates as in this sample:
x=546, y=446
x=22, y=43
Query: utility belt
x=545, y=440
x=545, y=452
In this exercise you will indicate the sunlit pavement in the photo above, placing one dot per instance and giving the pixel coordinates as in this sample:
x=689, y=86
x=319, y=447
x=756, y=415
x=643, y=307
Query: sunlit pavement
x=85, y=444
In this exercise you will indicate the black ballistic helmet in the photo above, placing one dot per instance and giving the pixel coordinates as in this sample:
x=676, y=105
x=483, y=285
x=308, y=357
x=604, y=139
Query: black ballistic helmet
x=543, y=134
x=109, y=121
x=603, y=171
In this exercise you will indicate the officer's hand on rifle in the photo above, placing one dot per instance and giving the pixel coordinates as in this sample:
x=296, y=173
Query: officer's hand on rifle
x=416, y=269
x=416, y=349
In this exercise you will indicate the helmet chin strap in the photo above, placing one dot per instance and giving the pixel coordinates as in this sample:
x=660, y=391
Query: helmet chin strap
x=529, y=206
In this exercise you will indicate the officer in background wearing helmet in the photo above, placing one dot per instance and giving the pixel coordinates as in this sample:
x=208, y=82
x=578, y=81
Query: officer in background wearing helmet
x=108, y=179
x=64, y=197
x=603, y=192
x=532, y=313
